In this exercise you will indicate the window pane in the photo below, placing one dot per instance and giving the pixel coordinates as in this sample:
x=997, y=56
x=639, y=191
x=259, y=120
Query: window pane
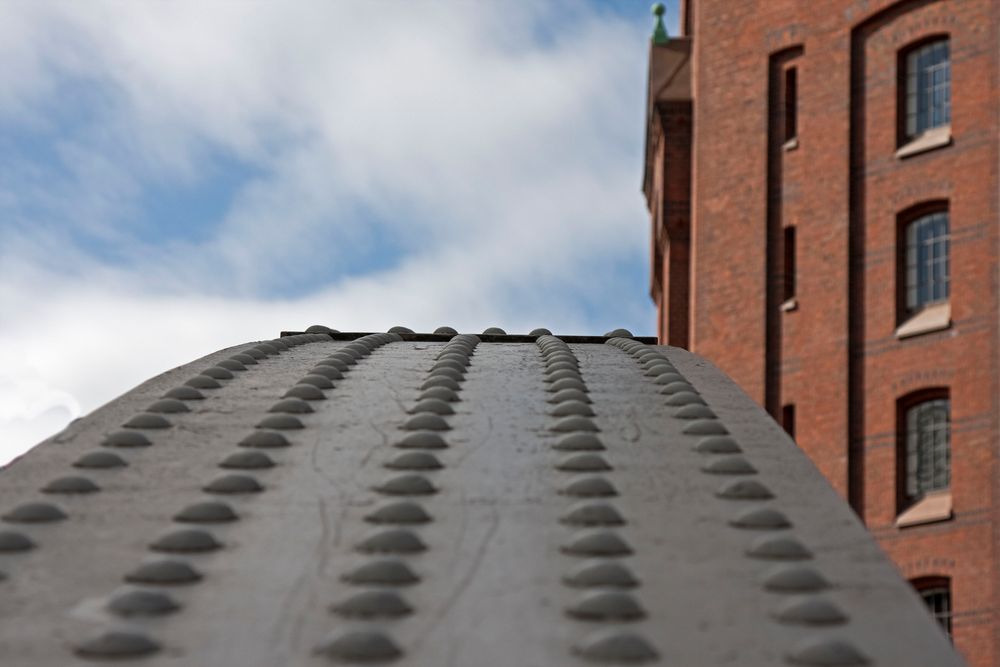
x=928, y=87
x=926, y=261
x=928, y=447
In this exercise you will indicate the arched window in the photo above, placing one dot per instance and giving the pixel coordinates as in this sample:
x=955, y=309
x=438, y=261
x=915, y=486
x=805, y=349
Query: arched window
x=936, y=594
x=926, y=80
x=925, y=444
x=926, y=264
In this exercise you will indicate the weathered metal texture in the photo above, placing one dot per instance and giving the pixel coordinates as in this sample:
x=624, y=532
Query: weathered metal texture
x=425, y=502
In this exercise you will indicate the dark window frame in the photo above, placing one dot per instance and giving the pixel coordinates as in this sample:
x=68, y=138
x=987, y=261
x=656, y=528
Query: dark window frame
x=904, y=221
x=789, y=248
x=790, y=103
x=904, y=405
x=903, y=133
x=933, y=586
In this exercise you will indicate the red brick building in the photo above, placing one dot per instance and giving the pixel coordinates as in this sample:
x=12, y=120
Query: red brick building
x=823, y=181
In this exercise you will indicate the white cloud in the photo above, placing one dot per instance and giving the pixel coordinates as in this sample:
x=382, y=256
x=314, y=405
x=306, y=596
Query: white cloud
x=505, y=166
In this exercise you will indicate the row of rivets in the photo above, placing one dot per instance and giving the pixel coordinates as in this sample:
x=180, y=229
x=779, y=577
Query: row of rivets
x=400, y=514
x=799, y=582
x=142, y=602
x=604, y=579
x=450, y=331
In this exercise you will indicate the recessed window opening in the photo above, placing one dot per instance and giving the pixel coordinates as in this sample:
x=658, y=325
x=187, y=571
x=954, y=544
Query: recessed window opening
x=927, y=447
x=928, y=87
x=791, y=95
x=936, y=594
x=788, y=419
x=927, y=262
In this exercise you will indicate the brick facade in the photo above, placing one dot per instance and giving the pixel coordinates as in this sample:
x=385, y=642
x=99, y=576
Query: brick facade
x=725, y=185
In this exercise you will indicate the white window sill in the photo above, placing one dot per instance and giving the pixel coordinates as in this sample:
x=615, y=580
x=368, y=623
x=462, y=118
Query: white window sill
x=937, y=137
x=790, y=145
x=933, y=507
x=790, y=305
x=932, y=318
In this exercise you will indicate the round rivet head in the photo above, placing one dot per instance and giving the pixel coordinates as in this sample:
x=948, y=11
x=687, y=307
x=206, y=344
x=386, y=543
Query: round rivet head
x=606, y=606
x=12, y=542
x=597, y=543
x=266, y=348
x=685, y=398
x=760, y=518
x=218, y=373
x=570, y=424
x=164, y=572
x=592, y=514
x=426, y=421
x=406, y=485
x=245, y=359
x=569, y=395
x=392, y=541
x=400, y=330
x=445, y=331
x=71, y=485
x=440, y=394
x=233, y=484
x=168, y=406
x=563, y=374
x=143, y=603
x=231, y=365
x=809, y=610
x=147, y=420
x=618, y=333
x=117, y=645
x=433, y=406
x=826, y=652
x=206, y=512
x=414, y=461
x=778, y=548
x=280, y=343
x=203, y=382
x=360, y=646
x=616, y=646
x=589, y=487
x=729, y=465
x=695, y=411
x=441, y=381
x=583, y=463
x=254, y=353
x=247, y=461
x=126, y=439
x=383, y=572
x=494, y=331
x=576, y=442
x=327, y=372
x=667, y=379
x=744, y=489
x=291, y=406
x=601, y=573
x=345, y=357
x=373, y=604
x=34, y=513
x=568, y=383
x=264, y=440
x=572, y=408
x=794, y=579
x=336, y=362
x=185, y=393
x=449, y=363
x=659, y=368
x=316, y=380
x=705, y=427
x=99, y=460
x=188, y=540
x=540, y=331
x=306, y=392
x=560, y=364
x=320, y=328
x=404, y=511
x=717, y=444
x=450, y=373
x=281, y=423
x=422, y=440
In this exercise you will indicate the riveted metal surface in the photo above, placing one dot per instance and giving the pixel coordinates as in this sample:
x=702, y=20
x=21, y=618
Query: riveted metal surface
x=487, y=541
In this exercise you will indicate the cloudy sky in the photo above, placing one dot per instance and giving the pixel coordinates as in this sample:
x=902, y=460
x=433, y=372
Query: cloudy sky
x=179, y=177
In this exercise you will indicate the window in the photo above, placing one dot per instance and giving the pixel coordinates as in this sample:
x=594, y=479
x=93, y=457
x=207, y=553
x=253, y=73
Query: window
x=926, y=446
x=927, y=87
x=791, y=95
x=926, y=263
x=936, y=593
x=789, y=268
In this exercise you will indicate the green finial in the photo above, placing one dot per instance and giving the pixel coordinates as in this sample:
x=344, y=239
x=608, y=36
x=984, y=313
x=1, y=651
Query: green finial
x=659, y=32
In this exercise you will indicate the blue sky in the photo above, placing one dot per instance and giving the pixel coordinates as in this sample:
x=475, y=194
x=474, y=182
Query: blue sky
x=178, y=177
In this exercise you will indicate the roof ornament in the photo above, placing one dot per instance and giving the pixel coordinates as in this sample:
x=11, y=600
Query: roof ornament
x=660, y=36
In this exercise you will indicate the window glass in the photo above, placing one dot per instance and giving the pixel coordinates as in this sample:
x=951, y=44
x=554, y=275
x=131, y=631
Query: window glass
x=928, y=87
x=938, y=601
x=927, y=272
x=928, y=447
